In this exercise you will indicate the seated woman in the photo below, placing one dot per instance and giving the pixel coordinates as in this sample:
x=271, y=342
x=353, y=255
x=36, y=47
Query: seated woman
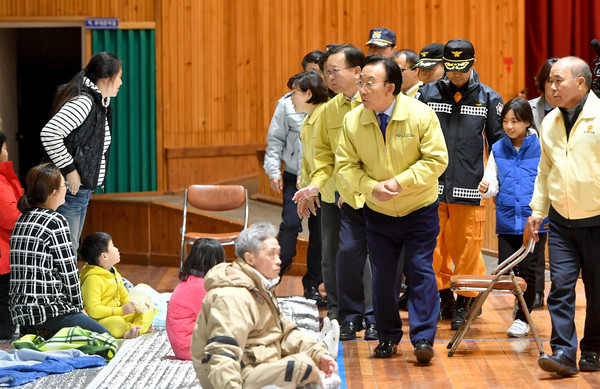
x=45, y=293
x=186, y=301
x=10, y=191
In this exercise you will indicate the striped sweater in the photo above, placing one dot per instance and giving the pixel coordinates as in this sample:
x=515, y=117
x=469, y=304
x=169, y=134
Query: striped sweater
x=70, y=117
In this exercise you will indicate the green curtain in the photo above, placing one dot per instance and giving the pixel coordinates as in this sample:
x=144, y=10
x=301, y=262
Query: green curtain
x=132, y=166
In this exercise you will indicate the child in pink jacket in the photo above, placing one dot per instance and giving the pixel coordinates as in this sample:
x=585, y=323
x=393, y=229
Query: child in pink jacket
x=186, y=301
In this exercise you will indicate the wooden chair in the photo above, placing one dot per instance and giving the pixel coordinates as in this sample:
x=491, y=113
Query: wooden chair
x=502, y=280
x=212, y=198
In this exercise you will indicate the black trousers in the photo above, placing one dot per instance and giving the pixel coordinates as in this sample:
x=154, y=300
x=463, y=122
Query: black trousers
x=7, y=328
x=291, y=226
x=574, y=250
x=526, y=269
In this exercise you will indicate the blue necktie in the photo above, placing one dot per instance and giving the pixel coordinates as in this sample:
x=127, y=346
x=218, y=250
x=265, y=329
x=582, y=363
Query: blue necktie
x=383, y=119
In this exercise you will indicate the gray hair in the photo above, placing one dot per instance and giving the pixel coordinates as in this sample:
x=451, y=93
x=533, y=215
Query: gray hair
x=252, y=238
x=580, y=68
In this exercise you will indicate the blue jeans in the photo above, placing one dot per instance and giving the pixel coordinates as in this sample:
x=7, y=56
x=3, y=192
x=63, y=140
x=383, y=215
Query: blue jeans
x=74, y=210
x=51, y=326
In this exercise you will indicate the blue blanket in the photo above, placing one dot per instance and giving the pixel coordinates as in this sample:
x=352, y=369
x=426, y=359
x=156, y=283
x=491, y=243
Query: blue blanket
x=22, y=366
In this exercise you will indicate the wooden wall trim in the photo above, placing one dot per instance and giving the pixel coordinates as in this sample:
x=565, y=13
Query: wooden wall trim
x=212, y=151
x=45, y=20
x=137, y=25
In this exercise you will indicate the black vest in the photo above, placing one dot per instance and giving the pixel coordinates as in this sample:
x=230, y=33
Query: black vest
x=86, y=143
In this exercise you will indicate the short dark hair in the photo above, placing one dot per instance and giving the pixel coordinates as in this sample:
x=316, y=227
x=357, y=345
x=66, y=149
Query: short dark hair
x=411, y=57
x=353, y=55
x=521, y=109
x=312, y=57
x=40, y=182
x=310, y=81
x=392, y=70
x=2, y=139
x=543, y=74
x=93, y=246
x=205, y=254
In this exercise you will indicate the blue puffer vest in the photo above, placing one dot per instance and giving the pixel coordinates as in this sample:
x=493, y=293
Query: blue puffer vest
x=516, y=178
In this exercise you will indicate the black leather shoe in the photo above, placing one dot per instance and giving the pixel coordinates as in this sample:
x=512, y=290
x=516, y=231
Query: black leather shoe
x=557, y=363
x=423, y=351
x=312, y=293
x=403, y=302
x=446, y=304
x=371, y=332
x=385, y=349
x=589, y=361
x=538, y=302
x=348, y=331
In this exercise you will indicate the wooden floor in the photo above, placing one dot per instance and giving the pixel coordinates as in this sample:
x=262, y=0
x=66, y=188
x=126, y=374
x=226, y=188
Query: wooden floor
x=485, y=359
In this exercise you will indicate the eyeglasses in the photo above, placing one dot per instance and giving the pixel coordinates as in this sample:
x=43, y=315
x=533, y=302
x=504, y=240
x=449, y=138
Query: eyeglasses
x=334, y=71
x=66, y=185
x=369, y=85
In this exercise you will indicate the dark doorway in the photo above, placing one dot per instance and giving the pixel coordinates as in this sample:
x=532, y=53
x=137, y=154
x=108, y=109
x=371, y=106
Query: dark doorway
x=46, y=58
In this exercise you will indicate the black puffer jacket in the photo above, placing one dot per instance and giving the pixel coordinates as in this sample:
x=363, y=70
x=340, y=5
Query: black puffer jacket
x=470, y=128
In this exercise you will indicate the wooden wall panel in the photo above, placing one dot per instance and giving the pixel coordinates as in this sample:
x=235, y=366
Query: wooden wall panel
x=125, y=10
x=225, y=63
x=204, y=170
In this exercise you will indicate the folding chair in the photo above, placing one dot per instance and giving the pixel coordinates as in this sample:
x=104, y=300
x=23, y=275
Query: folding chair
x=502, y=280
x=212, y=198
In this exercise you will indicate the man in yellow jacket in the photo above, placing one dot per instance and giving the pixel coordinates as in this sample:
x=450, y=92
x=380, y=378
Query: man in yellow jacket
x=567, y=190
x=392, y=150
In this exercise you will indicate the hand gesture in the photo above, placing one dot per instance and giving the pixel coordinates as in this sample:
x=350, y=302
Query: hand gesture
x=128, y=309
x=328, y=365
x=305, y=193
x=73, y=181
x=276, y=183
x=484, y=185
x=387, y=189
x=533, y=225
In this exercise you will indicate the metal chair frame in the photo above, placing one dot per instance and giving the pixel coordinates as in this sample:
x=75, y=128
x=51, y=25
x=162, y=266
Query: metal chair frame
x=220, y=204
x=497, y=283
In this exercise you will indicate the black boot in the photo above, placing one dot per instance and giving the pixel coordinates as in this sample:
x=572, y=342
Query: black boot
x=447, y=304
x=403, y=301
x=460, y=312
x=538, y=302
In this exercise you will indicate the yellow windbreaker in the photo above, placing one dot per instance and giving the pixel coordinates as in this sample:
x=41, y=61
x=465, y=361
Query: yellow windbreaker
x=569, y=171
x=325, y=146
x=308, y=132
x=414, y=153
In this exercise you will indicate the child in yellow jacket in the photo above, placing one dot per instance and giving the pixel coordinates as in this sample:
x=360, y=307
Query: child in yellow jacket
x=105, y=298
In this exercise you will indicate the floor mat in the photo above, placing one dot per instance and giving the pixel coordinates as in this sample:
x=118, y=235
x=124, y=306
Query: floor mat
x=146, y=362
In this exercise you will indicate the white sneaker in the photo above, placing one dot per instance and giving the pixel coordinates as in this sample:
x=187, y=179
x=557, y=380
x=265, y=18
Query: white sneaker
x=332, y=382
x=324, y=329
x=518, y=329
x=332, y=338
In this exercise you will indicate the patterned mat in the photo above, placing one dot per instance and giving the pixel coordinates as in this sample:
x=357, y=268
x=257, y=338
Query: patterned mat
x=148, y=361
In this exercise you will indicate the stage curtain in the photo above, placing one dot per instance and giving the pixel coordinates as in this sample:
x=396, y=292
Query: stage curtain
x=558, y=28
x=132, y=166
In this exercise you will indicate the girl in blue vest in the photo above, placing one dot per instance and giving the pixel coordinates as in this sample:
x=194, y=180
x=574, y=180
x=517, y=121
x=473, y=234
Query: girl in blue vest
x=510, y=176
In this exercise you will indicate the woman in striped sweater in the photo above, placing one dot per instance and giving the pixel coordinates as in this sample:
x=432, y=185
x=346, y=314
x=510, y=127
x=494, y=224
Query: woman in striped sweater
x=77, y=138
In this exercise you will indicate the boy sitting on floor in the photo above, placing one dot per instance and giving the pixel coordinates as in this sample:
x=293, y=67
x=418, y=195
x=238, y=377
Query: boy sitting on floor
x=104, y=296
